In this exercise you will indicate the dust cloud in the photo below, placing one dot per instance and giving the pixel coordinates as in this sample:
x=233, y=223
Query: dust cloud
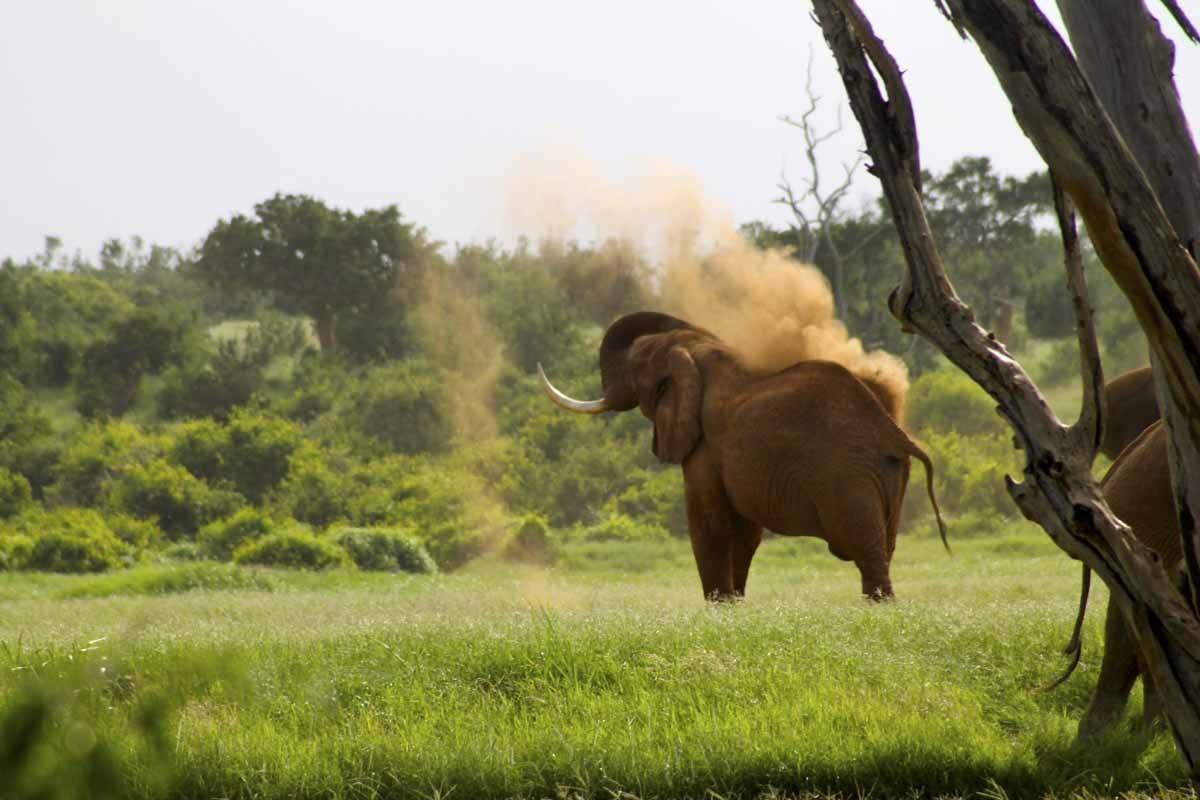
x=773, y=309
x=458, y=338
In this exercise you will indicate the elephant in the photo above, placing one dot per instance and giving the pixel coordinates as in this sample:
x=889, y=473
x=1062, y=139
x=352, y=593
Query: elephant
x=1138, y=490
x=810, y=450
x=1132, y=407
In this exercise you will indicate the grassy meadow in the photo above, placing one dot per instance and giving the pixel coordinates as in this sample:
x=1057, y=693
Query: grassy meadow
x=606, y=676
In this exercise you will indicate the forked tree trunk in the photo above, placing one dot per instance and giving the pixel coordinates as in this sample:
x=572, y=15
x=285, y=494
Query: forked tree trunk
x=1138, y=245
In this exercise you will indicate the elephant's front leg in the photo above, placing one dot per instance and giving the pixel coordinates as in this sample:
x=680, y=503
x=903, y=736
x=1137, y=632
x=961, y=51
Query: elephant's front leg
x=745, y=543
x=713, y=525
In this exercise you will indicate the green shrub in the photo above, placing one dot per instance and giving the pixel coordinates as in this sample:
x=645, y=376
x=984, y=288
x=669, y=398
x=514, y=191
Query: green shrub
x=69, y=540
x=658, y=500
x=312, y=492
x=139, y=534
x=295, y=548
x=200, y=446
x=181, y=551
x=397, y=408
x=949, y=401
x=220, y=539
x=181, y=502
x=15, y=551
x=260, y=450
x=969, y=472
x=531, y=541
x=385, y=549
x=448, y=509
x=102, y=454
x=15, y=493
x=620, y=528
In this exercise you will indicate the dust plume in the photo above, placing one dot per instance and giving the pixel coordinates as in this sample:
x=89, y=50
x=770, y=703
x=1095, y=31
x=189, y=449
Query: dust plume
x=774, y=310
x=459, y=339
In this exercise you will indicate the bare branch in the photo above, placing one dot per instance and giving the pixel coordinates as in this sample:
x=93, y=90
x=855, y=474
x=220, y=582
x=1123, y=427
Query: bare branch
x=1182, y=20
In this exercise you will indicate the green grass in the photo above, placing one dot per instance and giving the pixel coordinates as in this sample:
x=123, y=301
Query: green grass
x=605, y=675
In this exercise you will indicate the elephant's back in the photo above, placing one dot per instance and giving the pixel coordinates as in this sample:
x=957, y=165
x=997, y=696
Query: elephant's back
x=1138, y=490
x=1132, y=407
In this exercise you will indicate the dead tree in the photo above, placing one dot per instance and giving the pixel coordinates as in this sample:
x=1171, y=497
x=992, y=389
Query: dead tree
x=814, y=207
x=1140, y=246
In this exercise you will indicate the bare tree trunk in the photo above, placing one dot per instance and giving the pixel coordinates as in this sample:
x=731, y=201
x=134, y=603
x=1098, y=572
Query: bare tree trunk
x=326, y=324
x=1129, y=64
x=1087, y=158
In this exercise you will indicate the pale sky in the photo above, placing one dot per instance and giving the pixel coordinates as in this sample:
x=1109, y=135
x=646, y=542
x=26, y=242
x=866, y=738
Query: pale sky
x=157, y=117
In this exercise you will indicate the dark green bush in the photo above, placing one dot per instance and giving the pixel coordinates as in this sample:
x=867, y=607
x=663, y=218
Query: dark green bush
x=200, y=446
x=15, y=494
x=139, y=534
x=220, y=539
x=531, y=541
x=385, y=549
x=260, y=450
x=397, y=408
x=295, y=548
x=313, y=492
x=179, y=501
x=970, y=470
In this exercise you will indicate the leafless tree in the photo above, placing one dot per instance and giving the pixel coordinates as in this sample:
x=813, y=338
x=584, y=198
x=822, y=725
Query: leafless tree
x=814, y=207
x=1083, y=118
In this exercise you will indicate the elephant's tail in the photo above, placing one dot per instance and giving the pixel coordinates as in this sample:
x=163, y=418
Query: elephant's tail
x=1075, y=647
x=921, y=456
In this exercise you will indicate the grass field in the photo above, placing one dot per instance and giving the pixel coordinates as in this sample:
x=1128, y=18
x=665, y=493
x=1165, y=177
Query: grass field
x=604, y=677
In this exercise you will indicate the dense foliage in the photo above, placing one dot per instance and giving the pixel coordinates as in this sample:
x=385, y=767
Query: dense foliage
x=316, y=387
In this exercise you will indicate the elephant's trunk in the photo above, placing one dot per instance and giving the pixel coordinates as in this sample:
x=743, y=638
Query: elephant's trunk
x=570, y=403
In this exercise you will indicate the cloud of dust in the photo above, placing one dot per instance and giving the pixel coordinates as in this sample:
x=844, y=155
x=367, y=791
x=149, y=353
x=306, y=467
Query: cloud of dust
x=774, y=310
x=458, y=337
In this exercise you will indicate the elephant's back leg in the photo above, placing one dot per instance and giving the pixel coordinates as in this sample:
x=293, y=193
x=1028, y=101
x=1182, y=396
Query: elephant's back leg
x=856, y=525
x=1118, y=671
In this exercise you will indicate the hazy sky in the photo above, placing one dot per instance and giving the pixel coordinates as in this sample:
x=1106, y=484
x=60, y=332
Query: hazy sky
x=157, y=117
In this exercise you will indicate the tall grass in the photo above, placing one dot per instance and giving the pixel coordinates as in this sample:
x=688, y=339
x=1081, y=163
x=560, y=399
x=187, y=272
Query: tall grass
x=588, y=681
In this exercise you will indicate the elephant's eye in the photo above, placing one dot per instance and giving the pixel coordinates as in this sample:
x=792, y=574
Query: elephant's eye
x=661, y=389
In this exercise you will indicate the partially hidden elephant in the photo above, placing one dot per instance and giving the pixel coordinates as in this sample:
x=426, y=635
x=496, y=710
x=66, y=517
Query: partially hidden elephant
x=1132, y=407
x=810, y=450
x=1138, y=490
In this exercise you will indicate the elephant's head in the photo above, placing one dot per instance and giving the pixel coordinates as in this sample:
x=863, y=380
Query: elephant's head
x=647, y=360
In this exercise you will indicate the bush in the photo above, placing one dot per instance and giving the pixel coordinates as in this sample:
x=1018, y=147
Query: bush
x=620, y=528
x=657, y=500
x=948, y=400
x=220, y=539
x=181, y=502
x=398, y=408
x=295, y=548
x=312, y=492
x=15, y=493
x=260, y=450
x=137, y=533
x=200, y=446
x=102, y=454
x=69, y=540
x=181, y=551
x=969, y=472
x=15, y=551
x=385, y=549
x=531, y=541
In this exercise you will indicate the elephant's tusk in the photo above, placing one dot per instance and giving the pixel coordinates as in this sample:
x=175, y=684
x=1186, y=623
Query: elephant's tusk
x=570, y=404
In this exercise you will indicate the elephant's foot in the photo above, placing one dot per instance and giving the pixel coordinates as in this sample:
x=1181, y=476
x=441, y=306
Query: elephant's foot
x=879, y=594
x=1099, y=719
x=718, y=596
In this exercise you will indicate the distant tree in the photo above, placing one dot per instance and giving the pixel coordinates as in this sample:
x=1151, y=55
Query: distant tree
x=986, y=225
x=326, y=263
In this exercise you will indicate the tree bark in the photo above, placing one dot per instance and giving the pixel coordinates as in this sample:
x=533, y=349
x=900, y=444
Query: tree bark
x=326, y=324
x=1062, y=117
x=1129, y=64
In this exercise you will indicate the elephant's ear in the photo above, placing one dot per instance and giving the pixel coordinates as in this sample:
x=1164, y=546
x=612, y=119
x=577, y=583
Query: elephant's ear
x=677, y=412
